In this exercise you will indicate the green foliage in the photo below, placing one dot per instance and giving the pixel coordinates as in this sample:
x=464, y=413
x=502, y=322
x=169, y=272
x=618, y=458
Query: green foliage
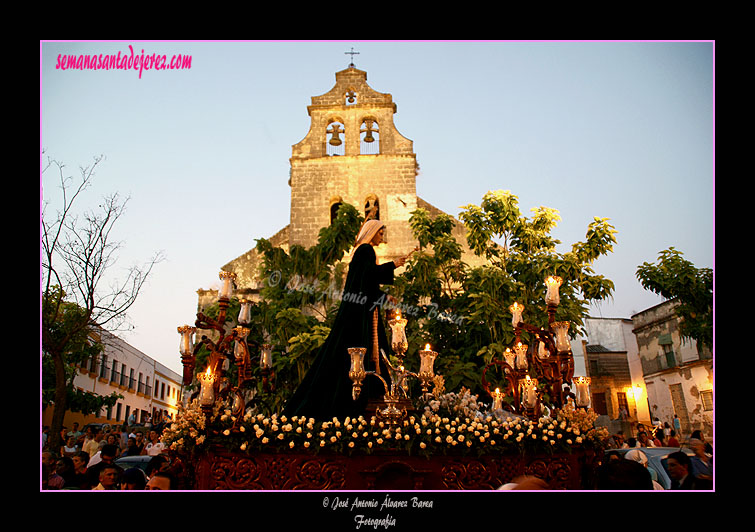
x=67, y=343
x=309, y=277
x=462, y=311
x=674, y=277
x=520, y=253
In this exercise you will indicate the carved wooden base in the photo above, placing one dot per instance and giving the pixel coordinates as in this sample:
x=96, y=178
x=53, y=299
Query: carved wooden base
x=221, y=470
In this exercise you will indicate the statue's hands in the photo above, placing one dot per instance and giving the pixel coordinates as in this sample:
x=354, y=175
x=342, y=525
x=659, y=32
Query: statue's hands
x=402, y=260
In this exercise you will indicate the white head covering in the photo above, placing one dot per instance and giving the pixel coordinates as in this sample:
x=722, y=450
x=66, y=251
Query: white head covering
x=367, y=232
x=637, y=456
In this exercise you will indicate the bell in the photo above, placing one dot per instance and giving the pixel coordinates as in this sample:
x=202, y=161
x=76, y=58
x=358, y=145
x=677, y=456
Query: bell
x=368, y=137
x=335, y=140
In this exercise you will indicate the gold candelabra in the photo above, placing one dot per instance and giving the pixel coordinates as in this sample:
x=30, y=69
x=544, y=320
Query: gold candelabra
x=550, y=357
x=230, y=347
x=396, y=397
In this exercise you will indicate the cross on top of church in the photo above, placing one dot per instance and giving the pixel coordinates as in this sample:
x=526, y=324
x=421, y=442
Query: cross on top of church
x=352, y=53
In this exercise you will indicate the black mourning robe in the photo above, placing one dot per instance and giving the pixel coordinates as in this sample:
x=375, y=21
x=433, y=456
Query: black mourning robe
x=326, y=390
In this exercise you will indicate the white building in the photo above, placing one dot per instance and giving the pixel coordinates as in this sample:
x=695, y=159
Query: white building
x=609, y=355
x=148, y=387
x=678, y=376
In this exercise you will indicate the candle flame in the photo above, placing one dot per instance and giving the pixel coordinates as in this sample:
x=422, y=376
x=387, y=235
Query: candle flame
x=427, y=347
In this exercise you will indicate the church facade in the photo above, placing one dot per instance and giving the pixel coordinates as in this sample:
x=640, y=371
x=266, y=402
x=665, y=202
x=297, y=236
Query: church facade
x=352, y=153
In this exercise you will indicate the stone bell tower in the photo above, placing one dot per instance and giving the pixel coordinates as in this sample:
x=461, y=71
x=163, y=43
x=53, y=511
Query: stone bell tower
x=353, y=154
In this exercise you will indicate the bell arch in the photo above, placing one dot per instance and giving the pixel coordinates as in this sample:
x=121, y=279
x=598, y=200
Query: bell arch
x=369, y=136
x=334, y=144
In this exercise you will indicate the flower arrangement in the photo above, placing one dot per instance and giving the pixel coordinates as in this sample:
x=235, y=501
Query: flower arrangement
x=187, y=433
x=426, y=434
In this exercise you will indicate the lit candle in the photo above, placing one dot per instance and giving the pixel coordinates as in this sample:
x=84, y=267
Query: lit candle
x=497, y=399
x=427, y=361
x=521, y=355
x=266, y=356
x=510, y=358
x=398, y=334
x=516, y=311
x=529, y=392
x=582, y=389
x=552, y=283
x=207, y=393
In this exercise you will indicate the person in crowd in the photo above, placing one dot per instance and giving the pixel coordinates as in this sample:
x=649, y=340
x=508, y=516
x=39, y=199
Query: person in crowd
x=680, y=470
x=92, y=445
x=113, y=439
x=65, y=469
x=642, y=459
x=80, y=480
x=160, y=481
x=525, y=483
x=75, y=432
x=133, y=479
x=644, y=440
x=109, y=477
x=107, y=458
x=155, y=446
x=622, y=475
x=131, y=448
x=701, y=463
x=631, y=443
x=51, y=480
x=69, y=447
x=123, y=437
x=139, y=436
x=157, y=463
x=672, y=441
x=698, y=435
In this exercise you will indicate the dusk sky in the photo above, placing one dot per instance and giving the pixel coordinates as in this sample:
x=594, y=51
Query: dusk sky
x=621, y=130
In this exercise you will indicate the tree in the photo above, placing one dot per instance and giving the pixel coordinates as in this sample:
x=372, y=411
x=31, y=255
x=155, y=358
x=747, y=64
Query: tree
x=78, y=296
x=468, y=318
x=674, y=277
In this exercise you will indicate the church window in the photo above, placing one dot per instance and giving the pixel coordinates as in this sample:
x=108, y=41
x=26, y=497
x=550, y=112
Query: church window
x=369, y=135
x=333, y=132
x=335, y=204
x=371, y=207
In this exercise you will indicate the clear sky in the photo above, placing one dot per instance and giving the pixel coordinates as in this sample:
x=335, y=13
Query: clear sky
x=621, y=130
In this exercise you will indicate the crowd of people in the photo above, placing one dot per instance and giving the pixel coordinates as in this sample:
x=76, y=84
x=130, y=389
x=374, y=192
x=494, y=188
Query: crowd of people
x=87, y=460
x=629, y=469
x=686, y=472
